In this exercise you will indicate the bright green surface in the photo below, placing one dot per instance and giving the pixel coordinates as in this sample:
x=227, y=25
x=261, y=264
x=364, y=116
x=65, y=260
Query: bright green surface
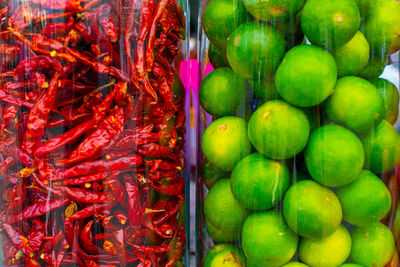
x=306, y=76
x=311, y=210
x=224, y=212
x=278, y=130
x=270, y=10
x=224, y=255
x=373, y=246
x=390, y=95
x=355, y=104
x=221, y=92
x=259, y=183
x=225, y=142
x=294, y=264
x=328, y=252
x=265, y=90
x=267, y=241
x=334, y=156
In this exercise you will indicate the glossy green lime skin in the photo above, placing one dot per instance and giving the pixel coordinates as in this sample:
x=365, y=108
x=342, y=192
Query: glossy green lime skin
x=265, y=90
x=259, y=183
x=373, y=246
x=311, y=210
x=220, y=18
x=266, y=239
x=390, y=95
x=330, y=23
x=271, y=10
x=225, y=142
x=355, y=104
x=255, y=50
x=350, y=265
x=353, y=56
x=327, y=252
x=224, y=255
x=382, y=148
x=334, y=156
x=221, y=92
x=309, y=84
x=294, y=264
x=217, y=56
x=359, y=208
x=279, y=130
x=224, y=212
x=376, y=64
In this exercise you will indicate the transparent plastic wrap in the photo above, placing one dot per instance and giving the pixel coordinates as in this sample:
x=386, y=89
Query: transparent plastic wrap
x=298, y=133
x=92, y=126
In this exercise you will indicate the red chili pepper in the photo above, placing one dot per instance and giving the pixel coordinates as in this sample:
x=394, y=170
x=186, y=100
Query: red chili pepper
x=36, y=234
x=171, y=208
x=85, y=179
x=9, y=49
x=58, y=28
x=109, y=27
x=170, y=187
x=86, y=196
x=134, y=140
x=18, y=239
x=177, y=246
x=86, y=239
x=70, y=5
x=135, y=211
x=38, y=117
x=154, y=150
x=118, y=191
x=91, y=211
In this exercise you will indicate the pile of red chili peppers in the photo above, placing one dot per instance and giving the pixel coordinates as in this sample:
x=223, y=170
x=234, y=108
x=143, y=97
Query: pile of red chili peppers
x=91, y=133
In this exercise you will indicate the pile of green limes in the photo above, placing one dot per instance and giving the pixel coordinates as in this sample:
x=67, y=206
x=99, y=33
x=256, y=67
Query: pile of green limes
x=297, y=181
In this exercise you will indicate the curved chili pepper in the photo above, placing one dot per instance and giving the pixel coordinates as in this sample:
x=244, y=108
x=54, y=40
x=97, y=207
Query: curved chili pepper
x=172, y=187
x=86, y=239
x=91, y=211
x=57, y=28
x=171, y=208
x=117, y=190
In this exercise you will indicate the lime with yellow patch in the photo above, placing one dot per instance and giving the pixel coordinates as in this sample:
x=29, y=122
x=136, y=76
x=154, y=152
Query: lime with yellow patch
x=259, y=183
x=224, y=255
x=390, y=95
x=267, y=241
x=271, y=10
x=279, y=130
x=330, y=251
x=306, y=76
x=225, y=142
x=223, y=212
x=311, y=210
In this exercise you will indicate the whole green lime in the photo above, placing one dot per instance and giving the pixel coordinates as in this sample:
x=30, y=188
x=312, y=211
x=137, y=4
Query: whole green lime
x=217, y=56
x=294, y=264
x=373, y=246
x=267, y=240
x=330, y=23
x=376, y=64
x=279, y=130
x=359, y=208
x=311, y=210
x=382, y=148
x=270, y=10
x=334, y=156
x=254, y=50
x=224, y=255
x=350, y=265
x=264, y=89
x=224, y=212
x=353, y=56
x=225, y=142
x=220, y=18
x=210, y=174
x=309, y=84
x=259, y=183
x=221, y=91
x=390, y=95
x=356, y=104
x=382, y=24
x=330, y=251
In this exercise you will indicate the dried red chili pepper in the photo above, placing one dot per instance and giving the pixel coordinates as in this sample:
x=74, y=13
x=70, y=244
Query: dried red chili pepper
x=86, y=239
x=135, y=209
x=36, y=234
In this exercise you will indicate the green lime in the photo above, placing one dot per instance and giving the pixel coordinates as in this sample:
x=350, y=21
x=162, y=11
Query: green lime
x=220, y=18
x=355, y=104
x=376, y=64
x=390, y=95
x=255, y=50
x=362, y=6
x=294, y=264
x=330, y=23
x=225, y=142
x=382, y=148
x=211, y=174
x=267, y=240
x=334, y=156
x=350, y=265
x=330, y=251
x=353, y=56
x=259, y=183
x=382, y=24
x=373, y=246
x=291, y=30
x=224, y=212
x=265, y=89
x=221, y=91
x=270, y=10
x=224, y=255
x=359, y=208
x=396, y=225
x=309, y=84
x=279, y=130
x=311, y=210
x=217, y=56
